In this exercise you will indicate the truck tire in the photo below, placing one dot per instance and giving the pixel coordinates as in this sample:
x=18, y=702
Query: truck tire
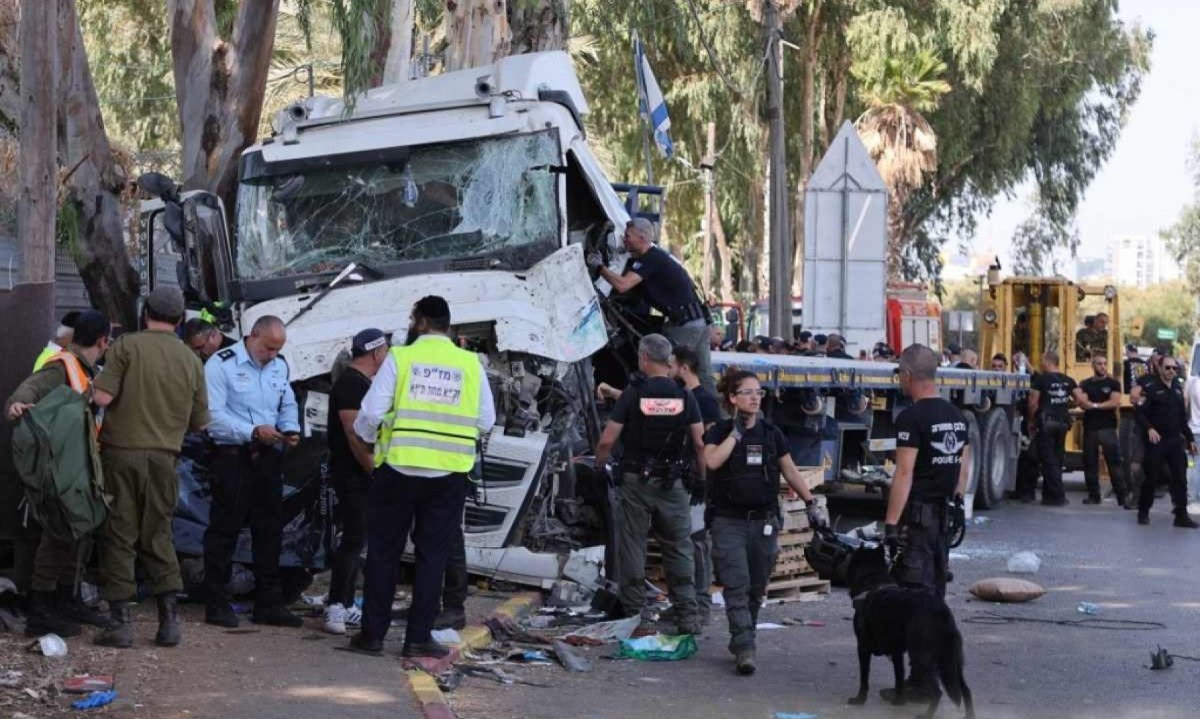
x=974, y=474
x=997, y=454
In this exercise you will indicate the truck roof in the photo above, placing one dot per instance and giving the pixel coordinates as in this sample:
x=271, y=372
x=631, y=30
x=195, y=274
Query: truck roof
x=517, y=76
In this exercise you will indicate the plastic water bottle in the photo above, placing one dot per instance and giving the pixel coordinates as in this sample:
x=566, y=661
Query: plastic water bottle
x=1088, y=608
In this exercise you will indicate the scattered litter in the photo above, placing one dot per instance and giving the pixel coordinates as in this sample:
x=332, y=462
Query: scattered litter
x=1024, y=563
x=768, y=625
x=570, y=659
x=803, y=622
x=11, y=678
x=540, y=621
x=21, y=715
x=501, y=676
x=659, y=647
x=567, y=593
x=1088, y=608
x=446, y=636
x=718, y=599
x=450, y=680
x=603, y=632
x=794, y=715
x=979, y=520
x=505, y=629
x=50, y=645
x=530, y=656
x=85, y=683
x=96, y=700
x=1161, y=659
x=959, y=556
x=313, y=600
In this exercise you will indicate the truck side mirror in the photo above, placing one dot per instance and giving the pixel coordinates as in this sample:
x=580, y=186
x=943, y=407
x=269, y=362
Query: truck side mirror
x=159, y=185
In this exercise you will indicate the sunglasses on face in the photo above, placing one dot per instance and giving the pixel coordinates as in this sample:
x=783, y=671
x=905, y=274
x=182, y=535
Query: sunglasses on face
x=1170, y=368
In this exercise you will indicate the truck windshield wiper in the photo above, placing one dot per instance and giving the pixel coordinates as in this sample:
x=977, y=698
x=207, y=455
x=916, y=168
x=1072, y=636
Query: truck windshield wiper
x=347, y=273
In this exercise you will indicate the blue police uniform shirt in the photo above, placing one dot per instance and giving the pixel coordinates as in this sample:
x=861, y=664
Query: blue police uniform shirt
x=243, y=395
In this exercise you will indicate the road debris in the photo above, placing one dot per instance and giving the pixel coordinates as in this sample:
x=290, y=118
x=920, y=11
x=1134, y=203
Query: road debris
x=50, y=645
x=1024, y=563
x=96, y=700
x=570, y=659
x=659, y=647
x=603, y=632
x=1088, y=608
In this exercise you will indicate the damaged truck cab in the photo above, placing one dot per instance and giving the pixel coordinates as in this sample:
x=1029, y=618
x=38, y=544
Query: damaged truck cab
x=478, y=186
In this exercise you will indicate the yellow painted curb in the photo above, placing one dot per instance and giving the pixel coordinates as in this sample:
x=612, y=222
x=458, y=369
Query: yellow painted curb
x=476, y=636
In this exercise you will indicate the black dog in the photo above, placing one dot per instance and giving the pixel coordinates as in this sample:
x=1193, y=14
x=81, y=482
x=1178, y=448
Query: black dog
x=893, y=621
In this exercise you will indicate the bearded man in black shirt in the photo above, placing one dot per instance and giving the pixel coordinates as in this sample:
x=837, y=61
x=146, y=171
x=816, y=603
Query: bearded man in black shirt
x=1100, y=397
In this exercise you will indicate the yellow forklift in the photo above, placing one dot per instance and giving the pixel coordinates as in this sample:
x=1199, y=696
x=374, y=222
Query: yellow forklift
x=1036, y=314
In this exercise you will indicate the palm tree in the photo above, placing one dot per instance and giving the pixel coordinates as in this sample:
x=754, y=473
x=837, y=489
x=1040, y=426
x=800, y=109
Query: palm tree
x=899, y=138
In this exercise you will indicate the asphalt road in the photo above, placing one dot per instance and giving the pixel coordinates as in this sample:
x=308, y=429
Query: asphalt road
x=1019, y=670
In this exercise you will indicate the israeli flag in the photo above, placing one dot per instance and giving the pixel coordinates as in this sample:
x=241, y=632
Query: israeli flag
x=650, y=100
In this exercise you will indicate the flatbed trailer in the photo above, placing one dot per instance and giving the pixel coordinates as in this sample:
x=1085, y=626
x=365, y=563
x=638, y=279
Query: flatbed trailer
x=846, y=411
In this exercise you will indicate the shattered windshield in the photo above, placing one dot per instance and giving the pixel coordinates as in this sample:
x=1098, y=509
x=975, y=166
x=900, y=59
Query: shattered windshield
x=452, y=201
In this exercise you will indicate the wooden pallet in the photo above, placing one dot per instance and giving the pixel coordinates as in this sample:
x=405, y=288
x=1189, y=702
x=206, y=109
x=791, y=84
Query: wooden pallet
x=798, y=589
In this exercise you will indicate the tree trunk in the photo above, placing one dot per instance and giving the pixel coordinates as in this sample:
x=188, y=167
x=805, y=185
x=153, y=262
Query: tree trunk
x=477, y=33
x=710, y=207
x=725, y=254
x=39, y=169
x=808, y=64
x=539, y=25
x=220, y=86
x=95, y=181
x=398, y=42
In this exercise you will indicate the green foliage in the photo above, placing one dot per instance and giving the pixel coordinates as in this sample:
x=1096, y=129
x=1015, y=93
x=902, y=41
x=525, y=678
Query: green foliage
x=913, y=81
x=358, y=23
x=1167, y=305
x=1050, y=108
x=1183, y=237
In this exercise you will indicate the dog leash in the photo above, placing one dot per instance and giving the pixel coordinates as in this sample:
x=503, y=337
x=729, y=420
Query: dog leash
x=1116, y=625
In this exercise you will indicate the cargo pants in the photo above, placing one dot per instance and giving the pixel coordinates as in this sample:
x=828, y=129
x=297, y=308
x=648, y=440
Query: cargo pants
x=53, y=563
x=743, y=558
x=646, y=504
x=925, y=559
x=145, y=490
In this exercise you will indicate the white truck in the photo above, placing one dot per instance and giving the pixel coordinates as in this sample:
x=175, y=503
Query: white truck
x=478, y=186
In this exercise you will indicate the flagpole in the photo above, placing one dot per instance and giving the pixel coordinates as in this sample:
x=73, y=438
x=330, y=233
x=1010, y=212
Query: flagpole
x=643, y=112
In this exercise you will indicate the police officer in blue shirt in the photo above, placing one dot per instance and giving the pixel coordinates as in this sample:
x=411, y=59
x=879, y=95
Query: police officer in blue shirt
x=254, y=417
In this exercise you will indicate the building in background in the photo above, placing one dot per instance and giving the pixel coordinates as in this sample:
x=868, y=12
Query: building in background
x=1140, y=261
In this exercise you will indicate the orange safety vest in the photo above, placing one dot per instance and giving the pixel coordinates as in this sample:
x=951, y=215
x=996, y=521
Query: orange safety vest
x=77, y=376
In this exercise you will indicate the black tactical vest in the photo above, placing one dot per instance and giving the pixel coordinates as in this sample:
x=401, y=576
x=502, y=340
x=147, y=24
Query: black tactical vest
x=749, y=479
x=656, y=437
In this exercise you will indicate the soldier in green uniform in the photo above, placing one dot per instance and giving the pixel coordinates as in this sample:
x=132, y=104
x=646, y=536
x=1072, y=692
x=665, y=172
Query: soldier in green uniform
x=54, y=605
x=154, y=390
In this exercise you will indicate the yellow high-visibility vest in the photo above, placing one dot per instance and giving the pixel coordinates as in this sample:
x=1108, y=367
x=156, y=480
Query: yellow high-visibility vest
x=47, y=352
x=435, y=408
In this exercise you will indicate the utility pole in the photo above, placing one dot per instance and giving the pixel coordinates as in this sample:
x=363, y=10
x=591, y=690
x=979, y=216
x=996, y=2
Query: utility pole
x=38, y=136
x=780, y=226
x=710, y=205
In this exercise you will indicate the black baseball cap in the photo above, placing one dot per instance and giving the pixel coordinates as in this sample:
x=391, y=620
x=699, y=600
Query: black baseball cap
x=820, y=339
x=804, y=336
x=367, y=341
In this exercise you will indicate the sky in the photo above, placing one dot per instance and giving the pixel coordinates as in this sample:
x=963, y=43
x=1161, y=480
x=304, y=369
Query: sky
x=1145, y=183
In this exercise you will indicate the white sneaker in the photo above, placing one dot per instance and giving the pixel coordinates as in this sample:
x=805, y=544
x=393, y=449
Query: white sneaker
x=353, y=615
x=335, y=619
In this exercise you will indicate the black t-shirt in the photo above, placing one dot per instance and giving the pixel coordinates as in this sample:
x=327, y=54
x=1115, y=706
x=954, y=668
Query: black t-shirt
x=1055, y=390
x=1133, y=370
x=938, y=431
x=666, y=283
x=710, y=407
x=1099, y=390
x=348, y=393
x=749, y=479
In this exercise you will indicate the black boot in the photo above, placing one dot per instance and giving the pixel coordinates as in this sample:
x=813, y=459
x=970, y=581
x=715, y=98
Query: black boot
x=71, y=606
x=276, y=616
x=218, y=613
x=451, y=618
x=1184, y=521
x=120, y=630
x=44, y=617
x=168, y=621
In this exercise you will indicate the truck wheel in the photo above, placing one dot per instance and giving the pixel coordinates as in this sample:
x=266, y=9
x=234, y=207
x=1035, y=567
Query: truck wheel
x=973, y=475
x=996, y=459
